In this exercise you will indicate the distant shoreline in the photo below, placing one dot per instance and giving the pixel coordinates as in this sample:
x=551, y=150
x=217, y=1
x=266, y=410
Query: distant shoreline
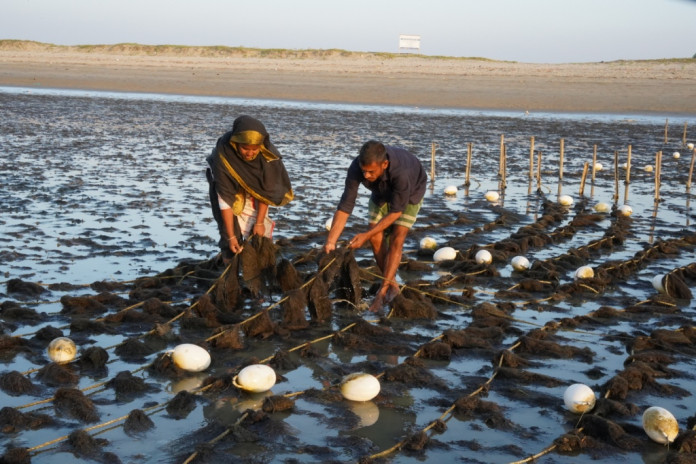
x=623, y=87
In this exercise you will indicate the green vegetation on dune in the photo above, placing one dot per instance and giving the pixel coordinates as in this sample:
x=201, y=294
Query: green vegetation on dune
x=221, y=51
x=211, y=51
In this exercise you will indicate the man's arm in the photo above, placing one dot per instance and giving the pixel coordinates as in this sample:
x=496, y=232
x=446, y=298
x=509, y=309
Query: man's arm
x=360, y=239
x=337, y=225
x=345, y=206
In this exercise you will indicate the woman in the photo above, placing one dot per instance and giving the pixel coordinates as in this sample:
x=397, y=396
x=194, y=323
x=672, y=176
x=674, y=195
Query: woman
x=246, y=174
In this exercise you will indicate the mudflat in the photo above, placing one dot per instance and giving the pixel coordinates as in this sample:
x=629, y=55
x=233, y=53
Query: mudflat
x=656, y=86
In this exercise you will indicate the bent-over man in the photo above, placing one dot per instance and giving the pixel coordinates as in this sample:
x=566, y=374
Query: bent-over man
x=397, y=181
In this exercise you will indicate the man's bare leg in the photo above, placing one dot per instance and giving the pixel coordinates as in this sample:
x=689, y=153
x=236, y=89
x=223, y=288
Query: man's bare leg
x=394, y=250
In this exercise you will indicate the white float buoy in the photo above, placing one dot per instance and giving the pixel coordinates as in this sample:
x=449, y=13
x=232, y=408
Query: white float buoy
x=624, y=166
x=483, y=257
x=451, y=190
x=492, y=196
x=660, y=425
x=625, y=210
x=602, y=207
x=584, y=272
x=255, y=378
x=565, y=200
x=598, y=166
x=445, y=254
x=62, y=350
x=329, y=223
x=520, y=263
x=657, y=283
x=190, y=357
x=360, y=386
x=579, y=398
x=690, y=146
x=648, y=168
x=428, y=243
x=676, y=155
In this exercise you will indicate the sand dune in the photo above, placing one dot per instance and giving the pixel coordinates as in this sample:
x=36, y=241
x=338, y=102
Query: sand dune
x=662, y=86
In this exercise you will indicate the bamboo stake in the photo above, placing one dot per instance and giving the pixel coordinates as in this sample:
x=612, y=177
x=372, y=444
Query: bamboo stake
x=657, y=175
x=651, y=236
x=594, y=163
x=684, y=135
x=616, y=176
x=666, y=126
x=658, y=169
x=691, y=169
x=560, y=166
x=628, y=166
x=504, y=168
x=539, y=171
x=432, y=161
x=531, y=158
x=500, y=157
x=584, y=176
x=468, y=164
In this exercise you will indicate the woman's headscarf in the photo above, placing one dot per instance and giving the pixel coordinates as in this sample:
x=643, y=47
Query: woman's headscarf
x=264, y=177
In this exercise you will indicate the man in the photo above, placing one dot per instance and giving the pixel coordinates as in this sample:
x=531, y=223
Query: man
x=397, y=181
x=246, y=174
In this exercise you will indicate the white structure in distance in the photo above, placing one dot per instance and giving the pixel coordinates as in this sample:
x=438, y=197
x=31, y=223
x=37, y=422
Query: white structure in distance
x=409, y=43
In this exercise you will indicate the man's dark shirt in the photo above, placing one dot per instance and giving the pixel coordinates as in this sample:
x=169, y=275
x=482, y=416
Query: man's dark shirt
x=402, y=183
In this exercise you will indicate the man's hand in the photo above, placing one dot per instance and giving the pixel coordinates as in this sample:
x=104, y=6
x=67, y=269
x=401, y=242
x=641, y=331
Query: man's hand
x=358, y=241
x=329, y=247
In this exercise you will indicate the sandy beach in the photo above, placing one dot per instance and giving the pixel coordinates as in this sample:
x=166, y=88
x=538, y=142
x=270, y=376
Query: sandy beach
x=651, y=87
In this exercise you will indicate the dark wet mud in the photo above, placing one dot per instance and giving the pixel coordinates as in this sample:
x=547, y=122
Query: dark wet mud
x=106, y=237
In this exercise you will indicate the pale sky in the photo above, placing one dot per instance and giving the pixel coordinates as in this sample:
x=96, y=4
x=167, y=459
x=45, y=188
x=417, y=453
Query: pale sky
x=538, y=31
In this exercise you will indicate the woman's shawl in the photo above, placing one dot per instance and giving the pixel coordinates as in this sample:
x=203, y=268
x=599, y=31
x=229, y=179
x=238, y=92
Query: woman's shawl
x=264, y=177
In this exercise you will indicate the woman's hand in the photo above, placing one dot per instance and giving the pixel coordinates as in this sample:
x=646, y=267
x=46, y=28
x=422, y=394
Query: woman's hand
x=234, y=245
x=259, y=229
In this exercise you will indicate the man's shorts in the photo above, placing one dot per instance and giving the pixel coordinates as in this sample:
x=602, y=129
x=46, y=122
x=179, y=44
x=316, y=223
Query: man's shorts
x=407, y=218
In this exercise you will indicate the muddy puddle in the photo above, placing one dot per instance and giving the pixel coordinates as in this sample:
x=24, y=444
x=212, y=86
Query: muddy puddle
x=106, y=237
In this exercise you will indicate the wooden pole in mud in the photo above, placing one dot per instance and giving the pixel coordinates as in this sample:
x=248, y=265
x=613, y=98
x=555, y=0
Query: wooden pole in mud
x=560, y=166
x=504, y=168
x=584, y=176
x=684, y=135
x=432, y=161
x=616, y=176
x=468, y=164
x=594, y=163
x=658, y=169
x=500, y=157
x=691, y=169
x=539, y=170
x=531, y=158
x=666, y=126
x=628, y=167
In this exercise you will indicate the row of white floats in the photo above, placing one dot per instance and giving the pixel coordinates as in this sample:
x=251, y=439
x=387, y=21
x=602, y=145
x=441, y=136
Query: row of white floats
x=565, y=200
x=518, y=263
x=658, y=423
x=255, y=378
